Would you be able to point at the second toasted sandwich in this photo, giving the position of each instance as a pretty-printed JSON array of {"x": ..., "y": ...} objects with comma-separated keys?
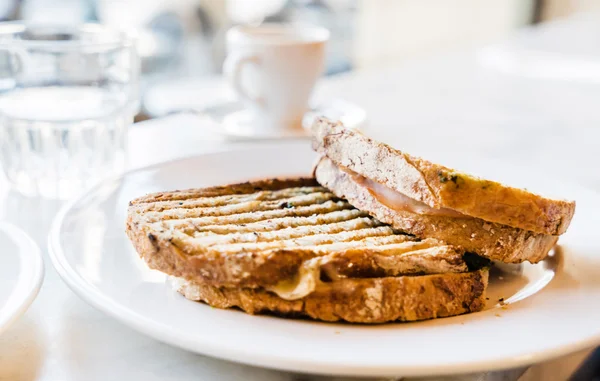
[{"x": 428, "y": 200}]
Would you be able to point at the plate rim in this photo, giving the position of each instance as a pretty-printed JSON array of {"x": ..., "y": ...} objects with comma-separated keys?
[
  {"x": 166, "y": 334},
  {"x": 29, "y": 279}
]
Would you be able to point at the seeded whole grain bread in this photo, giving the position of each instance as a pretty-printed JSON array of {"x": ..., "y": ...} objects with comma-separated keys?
[
  {"x": 262, "y": 233},
  {"x": 368, "y": 300},
  {"x": 491, "y": 240},
  {"x": 439, "y": 186}
]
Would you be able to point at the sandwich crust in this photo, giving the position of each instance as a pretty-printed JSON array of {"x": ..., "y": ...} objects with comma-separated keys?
[
  {"x": 369, "y": 300},
  {"x": 248, "y": 187},
  {"x": 491, "y": 240},
  {"x": 439, "y": 186}
]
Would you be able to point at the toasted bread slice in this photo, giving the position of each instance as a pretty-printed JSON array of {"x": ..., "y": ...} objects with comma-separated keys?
[
  {"x": 438, "y": 186},
  {"x": 275, "y": 234},
  {"x": 367, "y": 300},
  {"x": 491, "y": 240}
]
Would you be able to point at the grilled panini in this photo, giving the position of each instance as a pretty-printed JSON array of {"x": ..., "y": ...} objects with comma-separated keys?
[{"x": 293, "y": 247}]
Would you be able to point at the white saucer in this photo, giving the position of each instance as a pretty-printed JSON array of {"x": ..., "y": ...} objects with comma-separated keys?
[
  {"x": 233, "y": 121},
  {"x": 21, "y": 273},
  {"x": 552, "y": 308}
]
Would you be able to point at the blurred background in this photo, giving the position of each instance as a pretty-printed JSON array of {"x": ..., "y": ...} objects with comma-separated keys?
[
  {"x": 182, "y": 41},
  {"x": 552, "y": 81}
]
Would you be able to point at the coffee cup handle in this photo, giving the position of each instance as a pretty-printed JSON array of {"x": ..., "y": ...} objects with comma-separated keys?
[{"x": 232, "y": 68}]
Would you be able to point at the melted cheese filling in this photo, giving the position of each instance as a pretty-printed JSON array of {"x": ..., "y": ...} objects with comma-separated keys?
[
  {"x": 304, "y": 283},
  {"x": 398, "y": 201}
]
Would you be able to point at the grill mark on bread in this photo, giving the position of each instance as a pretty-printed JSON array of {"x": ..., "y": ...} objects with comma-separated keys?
[
  {"x": 251, "y": 235},
  {"x": 233, "y": 189},
  {"x": 315, "y": 226},
  {"x": 389, "y": 246},
  {"x": 250, "y": 212},
  {"x": 311, "y": 240},
  {"x": 232, "y": 199},
  {"x": 256, "y": 206},
  {"x": 189, "y": 226}
]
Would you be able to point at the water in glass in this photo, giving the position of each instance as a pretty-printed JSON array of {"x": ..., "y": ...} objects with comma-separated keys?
[
  {"x": 57, "y": 140},
  {"x": 67, "y": 96}
]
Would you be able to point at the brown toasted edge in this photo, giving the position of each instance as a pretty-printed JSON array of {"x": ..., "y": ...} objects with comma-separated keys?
[
  {"x": 491, "y": 240},
  {"x": 370, "y": 300},
  {"x": 224, "y": 190},
  {"x": 439, "y": 186}
]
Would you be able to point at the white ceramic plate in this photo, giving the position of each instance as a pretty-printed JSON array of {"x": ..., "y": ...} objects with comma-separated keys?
[
  {"x": 21, "y": 273},
  {"x": 553, "y": 307}
]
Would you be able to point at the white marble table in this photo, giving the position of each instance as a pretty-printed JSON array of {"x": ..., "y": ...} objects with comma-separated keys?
[{"x": 461, "y": 106}]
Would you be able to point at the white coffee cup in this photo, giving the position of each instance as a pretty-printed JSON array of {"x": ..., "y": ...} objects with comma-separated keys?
[{"x": 273, "y": 69}]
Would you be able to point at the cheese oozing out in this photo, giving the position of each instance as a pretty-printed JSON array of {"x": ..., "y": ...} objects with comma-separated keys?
[{"x": 303, "y": 284}]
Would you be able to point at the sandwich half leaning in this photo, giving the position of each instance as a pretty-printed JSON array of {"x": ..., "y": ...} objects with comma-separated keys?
[{"x": 428, "y": 200}]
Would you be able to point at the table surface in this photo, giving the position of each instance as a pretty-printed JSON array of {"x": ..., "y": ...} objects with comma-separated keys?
[{"x": 530, "y": 100}]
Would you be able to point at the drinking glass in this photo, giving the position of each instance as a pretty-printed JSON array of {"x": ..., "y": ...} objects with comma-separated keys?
[{"x": 67, "y": 96}]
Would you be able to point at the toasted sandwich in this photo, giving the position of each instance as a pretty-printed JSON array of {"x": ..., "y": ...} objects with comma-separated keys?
[
  {"x": 292, "y": 247},
  {"x": 428, "y": 200}
]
